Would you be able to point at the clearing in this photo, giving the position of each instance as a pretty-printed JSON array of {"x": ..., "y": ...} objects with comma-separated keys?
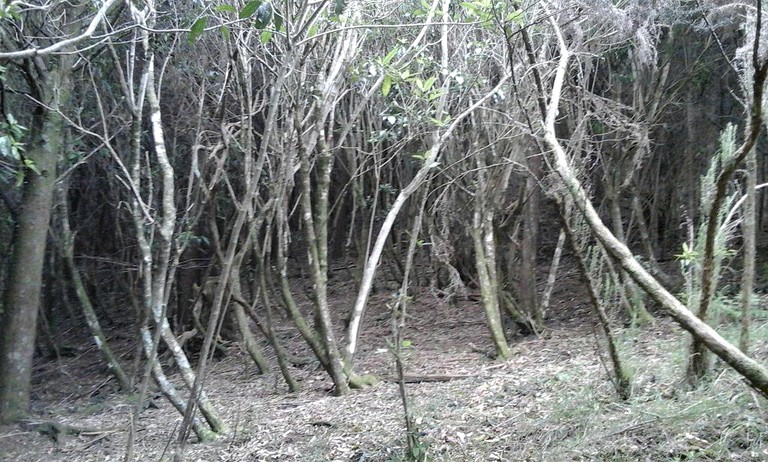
[{"x": 551, "y": 402}]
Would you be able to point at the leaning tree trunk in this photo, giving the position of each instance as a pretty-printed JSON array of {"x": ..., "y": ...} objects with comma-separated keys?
[
  {"x": 91, "y": 319},
  {"x": 430, "y": 162},
  {"x": 698, "y": 365},
  {"x": 755, "y": 373},
  {"x": 621, "y": 378},
  {"x": 546, "y": 295}
]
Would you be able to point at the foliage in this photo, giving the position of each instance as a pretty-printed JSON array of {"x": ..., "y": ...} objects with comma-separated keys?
[
  {"x": 11, "y": 145},
  {"x": 253, "y": 112},
  {"x": 691, "y": 255}
]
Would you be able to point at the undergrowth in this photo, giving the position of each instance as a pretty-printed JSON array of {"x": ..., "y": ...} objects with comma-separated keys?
[{"x": 663, "y": 421}]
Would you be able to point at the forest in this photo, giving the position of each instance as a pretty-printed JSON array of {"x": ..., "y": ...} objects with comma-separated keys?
[{"x": 393, "y": 230}]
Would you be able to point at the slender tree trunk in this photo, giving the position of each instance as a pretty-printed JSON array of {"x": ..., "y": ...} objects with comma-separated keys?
[
  {"x": 642, "y": 226},
  {"x": 430, "y": 162},
  {"x": 748, "y": 232},
  {"x": 529, "y": 249},
  {"x": 553, "y": 268},
  {"x": 637, "y": 311},
  {"x": 169, "y": 390},
  {"x": 621, "y": 378},
  {"x": 263, "y": 290},
  {"x": 698, "y": 364},
  {"x": 22, "y": 297},
  {"x": 316, "y": 229},
  {"x": 485, "y": 261},
  {"x": 68, "y": 254},
  {"x": 307, "y": 333},
  {"x": 249, "y": 340}
]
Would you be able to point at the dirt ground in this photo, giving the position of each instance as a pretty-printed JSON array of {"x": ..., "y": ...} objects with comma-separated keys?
[{"x": 552, "y": 401}]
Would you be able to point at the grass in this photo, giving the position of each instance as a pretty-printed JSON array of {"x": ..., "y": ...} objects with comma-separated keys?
[
  {"x": 663, "y": 421},
  {"x": 568, "y": 411},
  {"x": 551, "y": 402}
]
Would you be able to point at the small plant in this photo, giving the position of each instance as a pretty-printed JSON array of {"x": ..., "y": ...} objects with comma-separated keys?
[{"x": 416, "y": 448}]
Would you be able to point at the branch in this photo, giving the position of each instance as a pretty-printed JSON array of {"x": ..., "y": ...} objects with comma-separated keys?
[
  {"x": 708, "y": 282},
  {"x": 30, "y": 52},
  {"x": 369, "y": 271},
  {"x": 755, "y": 373}
]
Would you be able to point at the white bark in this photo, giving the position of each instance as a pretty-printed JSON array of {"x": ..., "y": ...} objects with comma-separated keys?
[{"x": 430, "y": 162}]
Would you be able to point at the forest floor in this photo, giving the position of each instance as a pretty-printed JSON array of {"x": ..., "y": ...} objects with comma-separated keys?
[{"x": 552, "y": 401}]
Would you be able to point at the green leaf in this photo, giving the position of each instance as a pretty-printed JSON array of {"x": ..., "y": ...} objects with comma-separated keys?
[
  {"x": 6, "y": 147},
  {"x": 516, "y": 16},
  {"x": 386, "y": 85},
  {"x": 226, "y": 9},
  {"x": 434, "y": 95},
  {"x": 339, "y": 6},
  {"x": 265, "y": 37},
  {"x": 249, "y": 9},
  {"x": 263, "y": 16},
  {"x": 406, "y": 343},
  {"x": 30, "y": 164},
  {"x": 225, "y": 32},
  {"x": 429, "y": 82},
  {"x": 387, "y": 59},
  {"x": 197, "y": 28},
  {"x": 437, "y": 122},
  {"x": 17, "y": 130},
  {"x": 278, "y": 20},
  {"x": 16, "y": 150}
]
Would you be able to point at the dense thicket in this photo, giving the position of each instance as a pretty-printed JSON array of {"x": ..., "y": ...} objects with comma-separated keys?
[{"x": 196, "y": 161}]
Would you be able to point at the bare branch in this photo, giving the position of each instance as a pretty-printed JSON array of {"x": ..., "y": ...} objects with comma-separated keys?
[{"x": 30, "y": 52}]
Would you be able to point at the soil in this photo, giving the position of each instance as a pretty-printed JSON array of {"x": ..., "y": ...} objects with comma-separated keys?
[{"x": 551, "y": 401}]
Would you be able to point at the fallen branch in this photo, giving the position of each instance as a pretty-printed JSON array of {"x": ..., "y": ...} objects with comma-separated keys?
[{"x": 430, "y": 378}]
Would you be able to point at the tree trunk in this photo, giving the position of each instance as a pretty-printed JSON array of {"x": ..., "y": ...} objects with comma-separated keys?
[
  {"x": 621, "y": 378},
  {"x": 262, "y": 288},
  {"x": 748, "y": 231},
  {"x": 316, "y": 229},
  {"x": 22, "y": 297},
  {"x": 68, "y": 254},
  {"x": 430, "y": 162},
  {"x": 637, "y": 311},
  {"x": 552, "y": 277},
  {"x": 755, "y": 373},
  {"x": 485, "y": 262},
  {"x": 528, "y": 293}
]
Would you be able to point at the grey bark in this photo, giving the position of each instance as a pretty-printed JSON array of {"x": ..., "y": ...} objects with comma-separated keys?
[{"x": 22, "y": 297}]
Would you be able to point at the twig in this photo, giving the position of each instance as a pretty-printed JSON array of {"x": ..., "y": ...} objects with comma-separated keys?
[{"x": 629, "y": 428}]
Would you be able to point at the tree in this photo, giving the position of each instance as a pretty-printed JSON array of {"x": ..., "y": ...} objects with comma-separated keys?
[
  {"x": 48, "y": 80},
  {"x": 704, "y": 335}
]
